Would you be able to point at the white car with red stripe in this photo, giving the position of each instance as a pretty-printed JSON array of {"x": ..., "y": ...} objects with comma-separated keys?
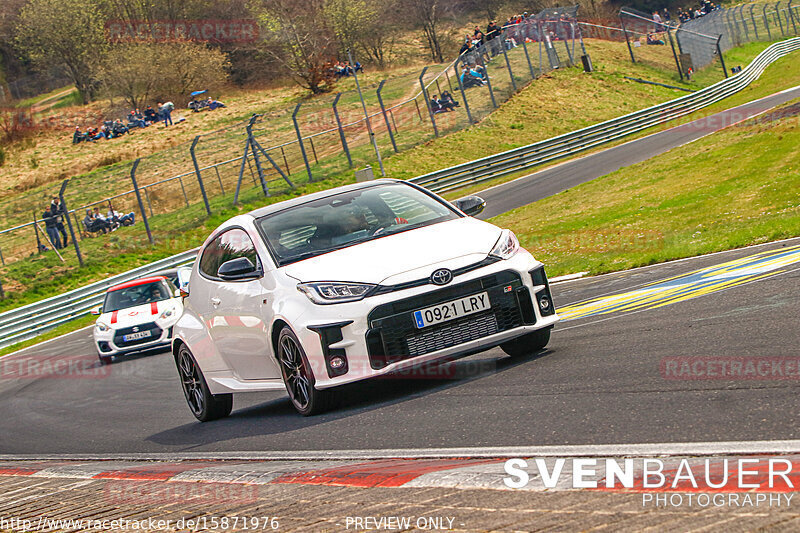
[{"x": 136, "y": 316}]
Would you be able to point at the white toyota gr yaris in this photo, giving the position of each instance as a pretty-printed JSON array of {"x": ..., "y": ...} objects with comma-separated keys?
[{"x": 348, "y": 284}]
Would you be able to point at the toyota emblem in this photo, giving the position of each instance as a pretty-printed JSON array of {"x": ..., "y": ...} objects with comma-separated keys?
[{"x": 442, "y": 276}]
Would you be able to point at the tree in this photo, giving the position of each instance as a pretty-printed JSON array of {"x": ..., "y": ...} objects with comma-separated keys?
[
  {"x": 299, "y": 40},
  {"x": 364, "y": 25},
  {"x": 64, "y": 32},
  {"x": 428, "y": 15},
  {"x": 141, "y": 73}
]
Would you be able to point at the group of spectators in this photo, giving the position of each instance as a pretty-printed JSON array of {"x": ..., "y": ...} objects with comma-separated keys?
[
  {"x": 209, "y": 103},
  {"x": 94, "y": 222},
  {"x": 112, "y": 129},
  {"x": 443, "y": 104},
  {"x": 473, "y": 75},
  {"x": 344, "y": 69},
  {"x": 704, "y": 8}
]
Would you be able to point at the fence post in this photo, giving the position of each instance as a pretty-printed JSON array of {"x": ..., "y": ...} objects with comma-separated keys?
[
  {"x": 527, "y": 57},
  {"x": 753, "y": 19},
  {"x": 721, "y": 59},
  {"x": 744, "y": 23},
  {"x": 385, "y": 118},
  {"x": 766, "y": 23},
  {"x": 36, "y": 231},
  {"x": 427, "y": 101},
  {"x": 259, "y": 170},
  {"x": 508, "y": 63},
  {"x": 341, "y": 131},
  {"x": 627, "y": 40},
  {"x": 69, "y": 220},
  {"x": 138, "y": 199},
  {"x": 539, "y": 40},
  {"x": 199, "y": 177},
  {"x": 300, "y": 142},
  {"x": 791, "y": 14},
  {"x": 463, "y": 94},
  {"x": 244, "y": 163},
  {"x": 674, "y": 55},
  {"x": 778, "y": 16},
  {"x": 183, "y": 190}
]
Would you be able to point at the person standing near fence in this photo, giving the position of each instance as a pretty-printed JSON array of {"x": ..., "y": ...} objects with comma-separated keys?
[
  {"x": 49, "y": 218},
  {"x": 57, "y": 208}
]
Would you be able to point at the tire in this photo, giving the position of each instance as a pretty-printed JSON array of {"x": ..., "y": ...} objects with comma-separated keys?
[
  {"x": 203, "y": 405},
  {"x": 528, "y": 344},
  {"x": 299, "y": 378},
  {"x": 105, "y": 359}
]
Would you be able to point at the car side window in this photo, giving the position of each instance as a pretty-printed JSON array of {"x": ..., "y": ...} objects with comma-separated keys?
[{"x": 231, "y": 244}]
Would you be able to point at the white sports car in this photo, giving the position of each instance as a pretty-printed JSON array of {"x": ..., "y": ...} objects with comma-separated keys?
[
  {"x": 136, "y": 316},
  {"x": 348, "y": 284}
]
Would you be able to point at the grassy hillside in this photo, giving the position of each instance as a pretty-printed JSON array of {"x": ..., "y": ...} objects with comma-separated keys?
[{"x": 730, "y": 189}]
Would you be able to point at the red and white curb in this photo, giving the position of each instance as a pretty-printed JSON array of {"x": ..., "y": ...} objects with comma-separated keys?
[{"x": 732, "y": 473}]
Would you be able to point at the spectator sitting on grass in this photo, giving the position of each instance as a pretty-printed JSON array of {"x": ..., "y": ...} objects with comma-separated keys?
[
  {"x": 470, "y": 78},
  {"x": 447, "y": 102},
  {"x": 651, "y": 39},
  {"x": 79, "y": 137},
  {"x": 150, "y": 115},
  {"x": 118, "y": 218},
  {"x": 95, "y": 225},
  {"x": 213, "y": 104}
]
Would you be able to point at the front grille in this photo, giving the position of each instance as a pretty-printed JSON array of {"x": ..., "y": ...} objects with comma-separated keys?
[
  {"x": 393, "y": 335},
  {"x": 155, "y": 334},
  {"x": 452, "y": 335}
]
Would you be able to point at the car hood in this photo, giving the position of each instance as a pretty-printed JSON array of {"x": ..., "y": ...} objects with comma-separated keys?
[
  {"x": 403, "y": 256},
  {"x": 140, "y": 314}
]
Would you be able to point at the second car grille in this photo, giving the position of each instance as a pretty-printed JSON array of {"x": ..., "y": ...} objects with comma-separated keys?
[
  {"x": 394, "y": 337},
  {"x": 155, "y": 334}
]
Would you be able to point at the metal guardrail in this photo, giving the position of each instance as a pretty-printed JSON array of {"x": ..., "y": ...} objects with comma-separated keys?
[
  {"x": 535, "y": 154},
  {"x": 30, "y": 320}
]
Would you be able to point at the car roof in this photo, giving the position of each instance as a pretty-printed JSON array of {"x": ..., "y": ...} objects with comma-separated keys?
[
  {"x": 134, "y": 283},
  {"x": 280, "y": 206}
]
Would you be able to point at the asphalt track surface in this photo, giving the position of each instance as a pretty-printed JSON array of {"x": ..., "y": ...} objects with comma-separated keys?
[
  {"x": 600, "y": 381},
  {"x": 529, "y": 189}
]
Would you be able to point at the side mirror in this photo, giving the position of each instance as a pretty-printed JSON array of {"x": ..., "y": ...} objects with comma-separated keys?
[
  {"x": 97, "y": 311},
  {"x": 238, "y": 269},
  {"x": 470, "y": 205}
]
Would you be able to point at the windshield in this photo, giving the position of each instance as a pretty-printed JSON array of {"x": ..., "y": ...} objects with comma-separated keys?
[
  {"x": 349, "y": 218},
  {"x": 136, "y": 295}
]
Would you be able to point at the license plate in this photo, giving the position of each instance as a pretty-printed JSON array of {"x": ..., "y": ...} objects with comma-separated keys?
[
  {"x": 451, "y": 310},
  {"x": 136, "y": 336}
]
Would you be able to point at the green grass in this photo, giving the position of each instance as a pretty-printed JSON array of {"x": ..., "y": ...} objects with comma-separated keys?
[
  {"x": 730, "y": 189},
  {"x": 63, "y": 329}
]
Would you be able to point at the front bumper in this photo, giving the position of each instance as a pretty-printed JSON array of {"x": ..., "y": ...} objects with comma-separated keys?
[
  {"x": 111, "y": 342},
  {"x": 377, "y": 335}
]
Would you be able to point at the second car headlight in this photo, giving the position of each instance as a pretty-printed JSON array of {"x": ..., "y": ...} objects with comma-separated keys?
[
  {"x": 101, "y": 327},
  {"x": 506, "y": 246},
  {"x": 329, "y": 292}
]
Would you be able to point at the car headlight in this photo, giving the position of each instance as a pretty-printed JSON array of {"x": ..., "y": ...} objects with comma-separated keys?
[
  {"x": 101, "y": 327},
  {"x": 506, "y": 246},
  {"x": 328, "y": 292},
  {"x": 166, "y": 314}
]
